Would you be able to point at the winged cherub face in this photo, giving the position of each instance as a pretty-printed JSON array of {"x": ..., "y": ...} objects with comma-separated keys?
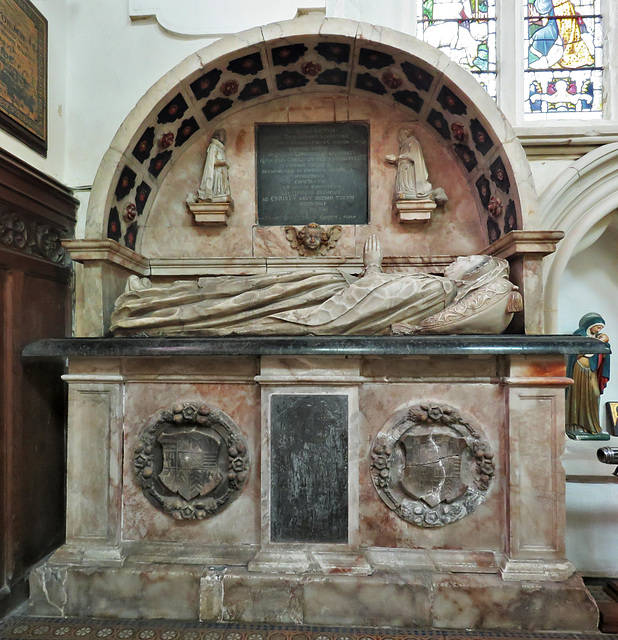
[{"x": 313, "y": 236}]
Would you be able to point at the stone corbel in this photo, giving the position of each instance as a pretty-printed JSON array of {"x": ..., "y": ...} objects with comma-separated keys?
[
  {"x": 207, "y": 213},
  {"x": 108, "y": 251},
  {"x": 410, "y": 211}
]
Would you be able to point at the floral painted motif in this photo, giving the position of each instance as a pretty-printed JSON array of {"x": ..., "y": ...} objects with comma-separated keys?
[
  {"x": 205, "y": 85},
  {"x": 334, "y": 51},
  {"x": 173, "y": 111},
  {"x": 369, "y": 83},
  {"x": 288, "y": 54},
  {"x": 371, "y": 59},
  {"x": 410, "y": 99}
]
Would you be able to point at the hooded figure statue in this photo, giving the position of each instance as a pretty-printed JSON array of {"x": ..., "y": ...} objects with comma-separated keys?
[{"x": 590, "y": 373}]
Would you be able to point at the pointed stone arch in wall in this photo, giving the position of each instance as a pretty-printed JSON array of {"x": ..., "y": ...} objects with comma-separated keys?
[
  {"x": 311, "y": 55},
  {"x": 583, "y": 195}
]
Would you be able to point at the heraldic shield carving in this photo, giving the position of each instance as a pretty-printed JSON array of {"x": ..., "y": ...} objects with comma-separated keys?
[
  {"x": 191, "y": 461},
  {"x": 430, "y": 466}
]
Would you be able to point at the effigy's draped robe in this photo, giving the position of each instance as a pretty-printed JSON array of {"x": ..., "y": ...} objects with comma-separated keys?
[{"x": 301, "y": 302}]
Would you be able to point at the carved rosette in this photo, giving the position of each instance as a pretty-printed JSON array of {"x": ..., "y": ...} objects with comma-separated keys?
[
  {"x": 28, "y": 236},
  {"x": 191, "y": 461},
  {"x": 430, "y": 466}
]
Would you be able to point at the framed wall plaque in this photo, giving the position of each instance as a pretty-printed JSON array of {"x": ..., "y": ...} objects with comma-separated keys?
[
  {"x": 314, "y": 172},
  {"x": 23, "y": 73}
]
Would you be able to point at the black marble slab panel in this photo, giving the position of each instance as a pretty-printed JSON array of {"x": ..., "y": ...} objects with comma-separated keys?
[
  {"x": 475, "y": 345},
  {"x": 315, "y": 172},
  {"x": 309, "y": 468}
]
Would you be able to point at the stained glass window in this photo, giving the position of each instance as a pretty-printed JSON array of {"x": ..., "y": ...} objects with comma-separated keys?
[
  {"x": 466, "y": 31},
  {"x": 563, "y": 67}
]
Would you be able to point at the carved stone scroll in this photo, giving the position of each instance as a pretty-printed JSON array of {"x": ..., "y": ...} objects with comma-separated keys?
[
  {"x": 430, "y": 466},
  {"x": 192, "y": 461}
]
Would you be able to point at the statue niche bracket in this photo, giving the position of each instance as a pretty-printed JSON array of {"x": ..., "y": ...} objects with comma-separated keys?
[{"x": 213, "y": 201}]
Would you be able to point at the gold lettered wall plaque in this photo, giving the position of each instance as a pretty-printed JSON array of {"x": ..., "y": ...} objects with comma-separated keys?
[{"x": 23, "y": 73}]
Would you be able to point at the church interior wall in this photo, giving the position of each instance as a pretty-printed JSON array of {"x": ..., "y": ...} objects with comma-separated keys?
[{"x": 101, "y": 63}]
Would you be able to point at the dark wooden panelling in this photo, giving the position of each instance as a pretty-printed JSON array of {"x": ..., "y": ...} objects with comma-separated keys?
[{"x": 34, "y": 303}]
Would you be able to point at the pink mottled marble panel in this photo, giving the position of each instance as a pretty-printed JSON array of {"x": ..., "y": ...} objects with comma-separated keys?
[
  {"x": 483, "y": 406},
  {"x": 239, "y": 523},
  {"x": 455, "y": 229}
]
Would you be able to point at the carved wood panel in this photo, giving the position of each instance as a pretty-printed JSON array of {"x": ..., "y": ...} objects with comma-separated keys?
[{"x": 34, "y": 303}]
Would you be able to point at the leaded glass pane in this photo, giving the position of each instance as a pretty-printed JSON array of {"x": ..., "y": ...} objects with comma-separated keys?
[
  {"x": 564, "y": 63},
  {"x": 466, "y": 31}
]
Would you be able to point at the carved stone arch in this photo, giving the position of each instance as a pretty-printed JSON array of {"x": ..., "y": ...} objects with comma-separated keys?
[
  {"x": 585, "y": 193},
  {"x": 358, "y": 57}
]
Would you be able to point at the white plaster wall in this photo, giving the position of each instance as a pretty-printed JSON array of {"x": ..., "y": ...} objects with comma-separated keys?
[
  {"x": 54, "y": 164},
  {"x": 592, "y": 527},
  {"x": 546, "y": 171},
  {"x": 112, "y": 62},
  {"x": 590, "y": 284}
]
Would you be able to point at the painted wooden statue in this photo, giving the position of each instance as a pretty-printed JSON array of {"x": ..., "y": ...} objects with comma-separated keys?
[{"x": 590, "y": 373}]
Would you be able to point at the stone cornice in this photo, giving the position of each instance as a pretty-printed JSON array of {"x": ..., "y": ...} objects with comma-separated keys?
[
  {"x": 107, "y": 251},
  {"x": 525, "y": 242}
]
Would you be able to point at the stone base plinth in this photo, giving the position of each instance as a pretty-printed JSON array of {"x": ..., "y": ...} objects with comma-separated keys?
[
  {"x": 395, "y": 598},
  {"x": 409, "y": 211},
  {"x": 210, "y": 212}
]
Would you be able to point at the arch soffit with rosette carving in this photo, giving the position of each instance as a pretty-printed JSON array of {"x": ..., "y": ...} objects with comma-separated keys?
[{"x": 310, "y": 56}]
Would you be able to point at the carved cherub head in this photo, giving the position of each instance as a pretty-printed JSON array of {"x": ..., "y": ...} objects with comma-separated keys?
[
  {"x": 312, "y": 236},
  {"x": 312, "y": 239}
]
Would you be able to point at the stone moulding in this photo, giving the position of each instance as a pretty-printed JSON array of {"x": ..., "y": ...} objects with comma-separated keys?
[
  {"x": 430, "y": 466},
  {"x": 410, "y": 211},
  {"x": 191, "y": 461},
  {"x": 457, "y": 345},
  {"x": 207, "y": 213}
]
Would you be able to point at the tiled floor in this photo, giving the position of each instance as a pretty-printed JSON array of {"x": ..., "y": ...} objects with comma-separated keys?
[{"x": 22, "y": 627}]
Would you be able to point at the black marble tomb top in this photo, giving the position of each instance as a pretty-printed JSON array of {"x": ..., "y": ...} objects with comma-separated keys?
[{"x": 451, "y": 345}]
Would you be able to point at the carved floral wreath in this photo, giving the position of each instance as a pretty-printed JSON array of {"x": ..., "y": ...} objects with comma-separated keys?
[
  {"x": 389, "y": 466},
  {"x": 147, "y": 461}
]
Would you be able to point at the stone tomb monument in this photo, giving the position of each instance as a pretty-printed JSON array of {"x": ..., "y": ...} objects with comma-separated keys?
[{"x": 340, "y": 434}]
